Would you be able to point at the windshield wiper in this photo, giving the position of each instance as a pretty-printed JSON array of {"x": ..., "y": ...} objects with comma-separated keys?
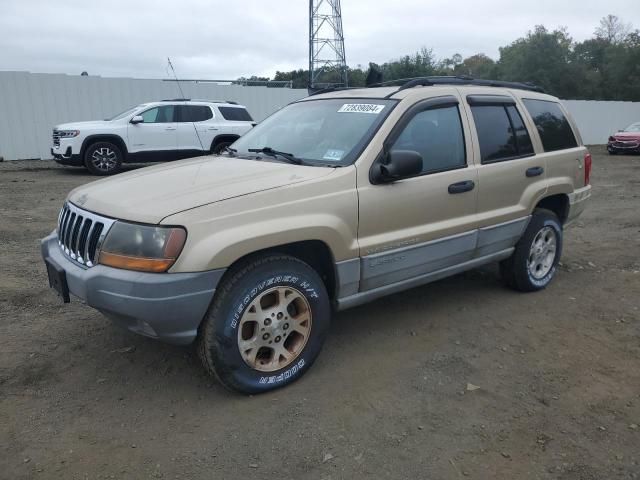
[{"x": 289, "y": 157}]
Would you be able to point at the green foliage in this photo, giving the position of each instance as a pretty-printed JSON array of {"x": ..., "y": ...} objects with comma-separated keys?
[{"x": 605, "y": 67}]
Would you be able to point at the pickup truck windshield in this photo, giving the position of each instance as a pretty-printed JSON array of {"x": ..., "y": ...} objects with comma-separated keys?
[{"x": 323, "y": 132}]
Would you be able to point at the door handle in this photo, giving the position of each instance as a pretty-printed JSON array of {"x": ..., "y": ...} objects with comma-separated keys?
[
  {"x": 213, "y": 128},
  {"x": 534, "y": 171},
  {"x": 461, "y": 187},
  {"x": 170, "y": 128}
]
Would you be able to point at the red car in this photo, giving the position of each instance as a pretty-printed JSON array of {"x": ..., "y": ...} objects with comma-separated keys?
[{"x": 627, "y": 140}]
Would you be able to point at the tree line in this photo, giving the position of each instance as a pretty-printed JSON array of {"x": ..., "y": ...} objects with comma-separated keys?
[{"x": 604, "y": 67}]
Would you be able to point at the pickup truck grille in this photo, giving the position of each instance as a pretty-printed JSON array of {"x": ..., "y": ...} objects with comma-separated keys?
[
  {"x": 56, "y": 138},
  {"x": 81, "y": 233}
]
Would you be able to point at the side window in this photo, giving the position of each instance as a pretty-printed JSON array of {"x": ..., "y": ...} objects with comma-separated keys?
[
  {"x": 159, "y": 114},
  {"x": 553, "y": 126},
  {"x": 501, "y": 133},
  {"x": 235, "y": 114},
  {"x": 194, "y": 113},
  {"x": 437, "y": 135}
]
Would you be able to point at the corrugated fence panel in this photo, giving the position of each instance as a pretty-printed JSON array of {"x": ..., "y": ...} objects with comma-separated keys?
[
  {"x": 31, "y": 104},
  {"x": 598, "y": 120}
]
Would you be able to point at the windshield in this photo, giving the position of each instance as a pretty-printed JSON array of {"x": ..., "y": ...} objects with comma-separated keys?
[
  {"x": 326, "y": 132},
  {"x": 124, "y": 114},
  {"x": 634, "y": 127}
]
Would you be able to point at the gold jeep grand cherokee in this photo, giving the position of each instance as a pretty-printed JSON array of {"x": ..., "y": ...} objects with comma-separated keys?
[{"x": 335, "y": 200}]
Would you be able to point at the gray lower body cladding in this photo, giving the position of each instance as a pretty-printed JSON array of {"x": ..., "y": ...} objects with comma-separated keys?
[
  {"x": 391, "y": 271},
  {"x": 165, "y": 306}
]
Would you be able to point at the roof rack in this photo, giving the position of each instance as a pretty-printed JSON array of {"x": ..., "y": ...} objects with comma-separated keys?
[
  {"x": 176, "y": 100},
  {"x": 462, "y": 80}
]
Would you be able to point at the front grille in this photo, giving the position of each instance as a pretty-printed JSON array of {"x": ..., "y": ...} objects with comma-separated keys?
[
  {"x": 80, "y": 234},
  {"x": 626, "y": 144},
  {"x": 56, "y": 138}
]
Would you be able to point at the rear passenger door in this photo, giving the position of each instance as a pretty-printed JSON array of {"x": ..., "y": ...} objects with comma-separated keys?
[
  {"x": 194, "y": 129},
  {"x": 511, "y": 176},
  {"x": 426, "y": 223}
]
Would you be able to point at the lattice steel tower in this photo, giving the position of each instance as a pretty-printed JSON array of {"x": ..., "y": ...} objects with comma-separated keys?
[{"x": 327, "y": 64}]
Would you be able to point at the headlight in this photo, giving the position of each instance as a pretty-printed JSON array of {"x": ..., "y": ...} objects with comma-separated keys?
[
  {"x": 68, "y": 133},
  {"x": 143, "y": 248}
]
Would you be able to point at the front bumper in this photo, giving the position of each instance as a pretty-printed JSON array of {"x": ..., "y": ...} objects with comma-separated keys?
[
  {"x": 577, "y": 203},
  {"x": 165, "y": 306},
  {"x": 66, "y": 157},
  {"x": 622, "y": 147}
]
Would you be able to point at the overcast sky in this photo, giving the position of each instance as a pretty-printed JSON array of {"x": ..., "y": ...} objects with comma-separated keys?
[{"x": 217, "y": 39}]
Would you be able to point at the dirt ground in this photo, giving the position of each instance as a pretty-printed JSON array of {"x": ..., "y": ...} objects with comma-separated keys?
[{"x": 558, "y": 371}]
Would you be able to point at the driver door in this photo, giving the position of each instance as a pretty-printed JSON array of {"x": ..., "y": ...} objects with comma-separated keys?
[
  {"x": 419, "y": 225},
  {"x": 156, "y": 133}
]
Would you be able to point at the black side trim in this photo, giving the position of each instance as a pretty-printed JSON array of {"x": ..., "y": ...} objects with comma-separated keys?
[{"x": 496, "y": 100}]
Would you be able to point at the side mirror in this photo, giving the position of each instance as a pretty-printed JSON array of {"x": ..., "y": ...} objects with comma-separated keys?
[
  {"x": 399, "y": 164},
  {"x": 137, "y": 119}
]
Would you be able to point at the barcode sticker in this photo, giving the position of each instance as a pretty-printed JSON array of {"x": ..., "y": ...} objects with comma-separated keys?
[{"x": 361, "y": 108}]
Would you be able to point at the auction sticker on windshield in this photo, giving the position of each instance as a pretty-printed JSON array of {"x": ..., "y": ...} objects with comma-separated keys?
[{"x": 360, "y": 108}]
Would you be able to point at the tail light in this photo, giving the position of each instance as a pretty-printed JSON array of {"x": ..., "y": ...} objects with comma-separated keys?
[{"x": 587, "y": 168}]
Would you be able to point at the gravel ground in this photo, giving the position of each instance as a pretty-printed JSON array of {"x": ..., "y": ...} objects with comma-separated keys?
[{"x": 391, "y": 396}]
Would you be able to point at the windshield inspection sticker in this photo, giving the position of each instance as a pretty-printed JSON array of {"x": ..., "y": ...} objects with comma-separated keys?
[
  {"x": 334, "y": 155},
  {"x": 360, "y": 108}
]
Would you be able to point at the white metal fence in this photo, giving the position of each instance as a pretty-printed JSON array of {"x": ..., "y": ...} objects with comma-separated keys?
[{"x": 32, "y": 103}]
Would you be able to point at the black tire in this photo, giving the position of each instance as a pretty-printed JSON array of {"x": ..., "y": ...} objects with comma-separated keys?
[
  {"x": 516, "y": 270},
  {"x": 103, "y": 158},
  {"x": 612, "y": 152},
  {"x": 219, "y": 147},
  {"x": 218, "y": 338}
]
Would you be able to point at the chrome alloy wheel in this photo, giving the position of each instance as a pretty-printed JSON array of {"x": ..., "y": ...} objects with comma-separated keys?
[
  {"x": 104, "y": 159},
  {"x": 542, "y": 253},
  {"x": 274, "y": 329}
]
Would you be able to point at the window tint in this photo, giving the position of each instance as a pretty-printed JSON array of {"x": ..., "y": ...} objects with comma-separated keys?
[
  {"x": 553, "y": 126},
  {"x": 523, "y": 140},
  {"x": 501, "y": 133},
  {"x": 437, "y": 135},
  {"x": 159, "y": 115},
  {"x": 194, "y": 113},
  {"x": 235, "y": 114}
]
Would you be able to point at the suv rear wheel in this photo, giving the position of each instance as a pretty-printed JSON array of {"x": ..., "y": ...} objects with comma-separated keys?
[
  {"x": 535, "y": 260},
  {"x": 103, "y": 158},
  {"x": 266, "y": 325}
]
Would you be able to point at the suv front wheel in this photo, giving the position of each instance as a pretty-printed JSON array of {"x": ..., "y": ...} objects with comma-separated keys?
[
  {"x": 267, "y": 324},
  {"x": 535, "y": 260},
  {"x": 103, "y": 158}
]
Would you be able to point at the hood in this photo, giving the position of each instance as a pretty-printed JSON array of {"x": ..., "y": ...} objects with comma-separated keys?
[
  {"x": 83, "y": 125},
  {"x": 627, "y": 136},
  {"x": 150, "y": 194}
]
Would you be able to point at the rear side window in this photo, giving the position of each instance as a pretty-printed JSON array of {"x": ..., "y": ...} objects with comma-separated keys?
[
  {"x": 194, "y": 113},
  {"x": 437, "y": 135},
  {"x": 553, "y": 126},
  {"x": 235, "y": 114},
  {"x": 501, "y": 132}
]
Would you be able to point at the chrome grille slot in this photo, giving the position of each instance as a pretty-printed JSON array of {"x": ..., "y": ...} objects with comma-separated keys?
[{"x": 80, "y": 234}]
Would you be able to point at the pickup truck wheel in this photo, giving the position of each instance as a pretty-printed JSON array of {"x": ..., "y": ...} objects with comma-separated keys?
[
  {"x": 103, "y": 158},
  {"x": 266, "y": 325},
  {"x": 535, "y": 260}
]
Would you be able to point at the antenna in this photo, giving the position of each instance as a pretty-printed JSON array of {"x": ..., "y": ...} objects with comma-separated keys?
[
  {"x": 327, "y": 62},
  {"x": 195, "y": 129}
]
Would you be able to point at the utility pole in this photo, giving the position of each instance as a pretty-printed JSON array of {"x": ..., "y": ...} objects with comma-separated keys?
[{"x": 327, "y": 63}]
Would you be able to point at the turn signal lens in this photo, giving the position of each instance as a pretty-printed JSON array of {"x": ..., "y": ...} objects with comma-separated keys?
[{"x": 144, "y": 248}]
